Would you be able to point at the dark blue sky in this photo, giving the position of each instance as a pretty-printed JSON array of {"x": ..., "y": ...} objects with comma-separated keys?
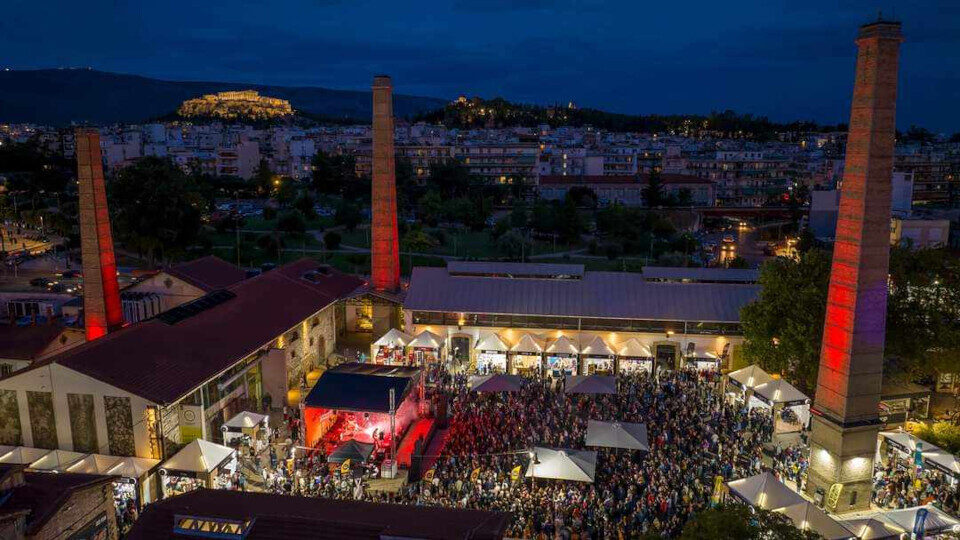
[{"x": 791, "y": 59}]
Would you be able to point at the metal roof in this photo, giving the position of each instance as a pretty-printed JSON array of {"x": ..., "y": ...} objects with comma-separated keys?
[
  {"x": 708, "y": 275},
  {"x": 615, "y": 295},
  {"x": 515, "y": 269}
]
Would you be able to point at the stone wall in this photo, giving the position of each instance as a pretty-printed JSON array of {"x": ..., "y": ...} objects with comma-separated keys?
[
  {"x": 89, "y": 513},
  {"x": 119, "y": 426},
  {"x": 83, "y": 423},
  {"x": 43, "y": 424},
  {"x": 11, "y": 433}
]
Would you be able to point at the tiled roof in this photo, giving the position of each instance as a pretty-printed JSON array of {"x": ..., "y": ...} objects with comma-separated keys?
[
  {"x": 617, "y": 295},
  {"x": 208, "y": 273},
  {"x": 27, "y": 342},
  {"x": 43, "y": 494},
  {"x": 162, "y": 362}
]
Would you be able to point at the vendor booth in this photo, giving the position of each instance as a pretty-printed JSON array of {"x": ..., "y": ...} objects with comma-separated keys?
[
  {"x": 200, "y": 464},
  {"x": 526, "y": 356},
  {"x": 491, "y": 354},
  {"x": 426, "y": 348},
  {"x": 634, "y": 356},
  {"x": 598, "y": 357},
  {"x": 562, "y": 464},
  {"x": 901, "y": 449},
  {"x": 872, "y": 529},
  {"x": 391, "y": 348},
  {"x": 22, "y": 455},
  {"x": 56, "y": 460},
  {"x": 763, "y": 491},
  {"x": 561, "y": 357},
  {"x": 790, "y": 407},
  {"x": 354, "y": 404},
  {"x": 806, "y": 516},
  {"x": 703, "y": 360},
  {"x": 744, "y": 380},
  {"x": 935, "y": 521},
  {"x": 248, "y": 428}
]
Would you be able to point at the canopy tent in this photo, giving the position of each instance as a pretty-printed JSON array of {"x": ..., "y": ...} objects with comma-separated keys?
[
  {"x": 617, "y": 435},
  {"x": 56, "y": 460},
  {"x": 245, "y": 420},
  {"x": 764, "y": 491},
  {"x": 635, "y": 349},
  {"x": 352, "y": 450},
  {"x": 598, "y": 347},
  {"x": 936, "y": 522},
  {"x": 492, "y": 342},
  {"x": 562, "y": 345},
  {"x": 695, "y": 351},
  {"x": 495, "y": 383},
  {"x": 528, "y": 344},
  {"x": 905, "y": 442},
  {"x": 426, "y": 340},
  {"x": 393, "y": 338},
  {"x": 933, "y": 456},
  {"x": 563, "y": 464},
  {"x": 199, "y": 456},
  {"x": 807, "y": 517},
  {"x": 749, "y": 377},
  {"x": 93, "y": 464},
  {"x": 591, "y": 384},
  {"x": 943, "y": 461},
  {"x": 133, "y": 467},
  {"x": 778, "y": 392},
  {"x": 23, "y": 455},
  {"x": 872, "y": 529}
]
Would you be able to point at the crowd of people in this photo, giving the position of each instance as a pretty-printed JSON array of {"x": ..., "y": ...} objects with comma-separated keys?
[{"x": 898, "y": 484}]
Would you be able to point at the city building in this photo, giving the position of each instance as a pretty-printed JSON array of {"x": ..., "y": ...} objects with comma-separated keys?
[{"x": 630, "y": 190}]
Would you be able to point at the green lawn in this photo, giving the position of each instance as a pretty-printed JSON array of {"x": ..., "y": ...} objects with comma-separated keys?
[
  {"x": 257, "y": 223},
  {"x": 351, "y": 263}
]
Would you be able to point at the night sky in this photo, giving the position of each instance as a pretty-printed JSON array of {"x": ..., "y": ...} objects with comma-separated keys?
[{"x": 788, "y": 60}]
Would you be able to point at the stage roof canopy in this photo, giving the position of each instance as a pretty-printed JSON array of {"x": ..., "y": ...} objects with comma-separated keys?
[{"x": 358, "y": 391}]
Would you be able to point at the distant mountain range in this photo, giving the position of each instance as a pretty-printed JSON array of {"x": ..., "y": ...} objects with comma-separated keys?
[{"x": 61, "y": 96}]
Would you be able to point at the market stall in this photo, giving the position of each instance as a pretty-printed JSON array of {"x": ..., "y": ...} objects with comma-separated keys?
[
  {"x": 806, "y": 516},
  {"x": 790, "y": 407},
  {"x": 249, "y": 428},
  {"x": 740, "y": 383},
  {"x": 703, "y": 360},
  {"x": 56, "y": 460},
  {"x": 22, "y": 455},
  {"x": 491, "y": 354},
  {"x": 426, "y": 348},
  {"x": 561, "y": 357},
  {"x": 590, "y": 384},
  {"x": 763, "y": 491},
  {"x": 390, "y": 349},
  {"x": 200, "y": 464},
  {"x": 526, "y": 356},
  {"x": 598, "y": 357},
  {"x": 625, "y": 435},
  {"x": 906, "y": 451},
  {"x": 634, "y": 356}
]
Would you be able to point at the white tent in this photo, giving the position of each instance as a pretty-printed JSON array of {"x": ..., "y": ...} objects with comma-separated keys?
[
  {"x": 492, "y": 342},
  {"x": 495, "y": 383},
  {"x": 528, "y": 344},
  {"x": 906, "y": 442},
  {"x": 92, "y": 464},
  {"x": 199, "y": 456},
  {"x": 617, "y": 435},
  {"x": 245, "y": 420},
  {"x": 563, "y": 464},
  {"x": 807, "y": 517},
  {"x": 426, "y": 340},
  {"x": 562, "y": 345},
  {"x": 598, "y": 347},
  {"x": 749, "y": 377},
  {"x": 943, "y": 461},
  {"x": 635, "y": 349},
  {"x": 393, "y": 338},
  {"x": 56, "y": 460},
  {"x": 779, "y": 391},
  {"x": 590, "y": 384},
  {"x": 764, "y": 491},
  {"x": 133, "y": 467},
  {"x": 23, "y": 455},
  {"x": 936, "y": 522},
  {"x": 872, "y": 529}
]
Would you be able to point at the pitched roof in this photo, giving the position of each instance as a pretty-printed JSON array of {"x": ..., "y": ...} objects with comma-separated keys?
[
  {"x": 162, "y": 362},
  {"x": 286, "y": 517},
  {"x": 357, "y": 391},
  {"x": 208, "y": 273},
  {"x": 618, "y": 295},
  {"x": 43, "y": 494},
  {"x": 27, "y": 342}
]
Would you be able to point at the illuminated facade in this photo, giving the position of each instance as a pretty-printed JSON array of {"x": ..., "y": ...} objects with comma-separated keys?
[
  {"x": 236, "y": 104},
  {"x": 845, "y": 422},
  {"x": 385, "y": 256},
  {"x": 101, "y": 295}
]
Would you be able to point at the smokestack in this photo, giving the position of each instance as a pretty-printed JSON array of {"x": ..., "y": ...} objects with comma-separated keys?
[
  {"x": 101, "y": 292},
  {"x": 385, "y": 248}
]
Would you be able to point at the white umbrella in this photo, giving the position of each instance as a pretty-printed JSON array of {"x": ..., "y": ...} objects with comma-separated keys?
[
  {"x": 807, "y": 517},
  {"x": 590, "y": 384},
  {"x": 617, "y": 435},
  {"x": 764, "y": 491},
  {"x": 199, "y": 456},
  {"x": 563, "y": 464}
]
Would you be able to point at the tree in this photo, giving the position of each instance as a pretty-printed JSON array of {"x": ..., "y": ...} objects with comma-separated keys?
[
  {"x": 333, "y": 173},
  {"x": 512, "y": 245},
  {"x": 684, "y": 197},
  {"x": 741, "y": 522},
  {"x": 304, "y": 203},
  {"x": 156, "y": 208},
  {"x": 263, "y": 178},
  {"x": 738, "y": 262},
  {"x": 653, "y": 191},
  {"x": 348, "y": 214},
  {"x": 291, "y": 221},
  {"x": 518, "y": 215},
  {"x": 332, "y": 240},
  {"x": 430, "y": 207},
  {"x": 783, "y": 328},
  {"x": 582, "y": 196}
]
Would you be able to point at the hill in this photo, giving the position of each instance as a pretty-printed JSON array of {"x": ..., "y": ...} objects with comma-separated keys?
[{"x": 60, "y": 96}]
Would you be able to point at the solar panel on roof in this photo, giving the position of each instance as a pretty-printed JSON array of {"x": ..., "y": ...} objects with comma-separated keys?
[{"x": 185, "y": 311}]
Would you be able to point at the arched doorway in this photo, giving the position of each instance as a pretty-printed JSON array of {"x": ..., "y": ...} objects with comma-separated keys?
[{"x": 666, "y": 354}]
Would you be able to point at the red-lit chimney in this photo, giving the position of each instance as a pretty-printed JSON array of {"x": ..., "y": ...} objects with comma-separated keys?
[
  {"x": 385, "y": 248},
  {"x": 101, "y": 292}
]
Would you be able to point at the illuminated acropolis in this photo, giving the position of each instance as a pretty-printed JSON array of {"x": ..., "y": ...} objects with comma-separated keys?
[{"x": 236, "y": 104}]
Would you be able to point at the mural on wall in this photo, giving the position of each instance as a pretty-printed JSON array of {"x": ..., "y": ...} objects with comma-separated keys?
[
  {"x": 83, "y": 423},
  {"x": 11, "y": 434},
  {"x": 43, "y": 423},
  {"x": 119, "y": 426}
]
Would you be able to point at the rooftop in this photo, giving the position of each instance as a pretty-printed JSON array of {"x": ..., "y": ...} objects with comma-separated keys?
[
  {"x": 27, "y": 342},
  {"x": 666, "y": 179},
  {"x": 42, "y": 494},
  {"x": 285, "y": 517},
  {"x": 701, "y": 275},
  {"x": 207, "y": 273},
  {"x": 361, "y": 387}
]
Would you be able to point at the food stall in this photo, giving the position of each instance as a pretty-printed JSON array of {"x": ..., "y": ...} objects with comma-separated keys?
[
  {"x": 700, "y": 358},
  {"x": 491, "y": 354},
  {"x": 526, "y": 356},
  {"x": 634, "y": 356},
  {"x": 247, "y": 427},
  {"x": 426, "y": 348},
  {"x": 740, "y": 383},
  {"x": 598, "y": 357},
  {"x": 200, "y": 464},
  {"x": 790, "y": 407},
  {"x": 561, "y": 357},
  {"x": 391, "y": 348}
]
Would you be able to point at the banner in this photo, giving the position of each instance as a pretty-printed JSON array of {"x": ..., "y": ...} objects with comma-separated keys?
[
  {"x": 428, "y": 477},
  {"x": 515, "y": 474},
  {"x": 719, "y": 489},
  {"x": 475, "y": 474},
  {"x": 345, "y": 467},
  {"x": 919, "y": 524}
]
